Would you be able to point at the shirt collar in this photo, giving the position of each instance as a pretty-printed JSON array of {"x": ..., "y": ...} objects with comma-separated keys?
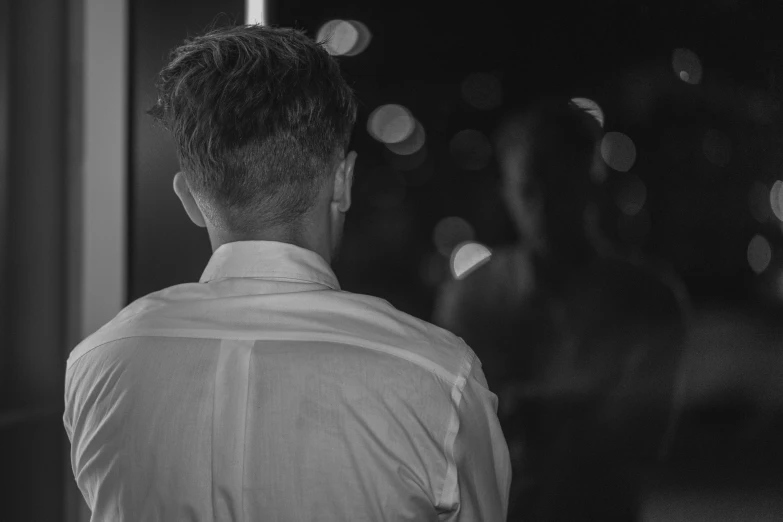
[{"x": 269, "y": 260}]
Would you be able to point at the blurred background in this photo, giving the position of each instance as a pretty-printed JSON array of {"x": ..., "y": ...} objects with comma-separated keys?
[{"x": 688, "y": 95}]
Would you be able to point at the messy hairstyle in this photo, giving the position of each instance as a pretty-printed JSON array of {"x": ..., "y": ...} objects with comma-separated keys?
[{"x": 259, "y": 116}]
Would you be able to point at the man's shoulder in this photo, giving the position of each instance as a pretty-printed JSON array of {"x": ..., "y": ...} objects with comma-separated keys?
[
  {"x": 415, "y": 334},
  {"x": 382, "y": 306},
  {"x": 329, "y": 316},
  {"x": 120, "y": 326}
]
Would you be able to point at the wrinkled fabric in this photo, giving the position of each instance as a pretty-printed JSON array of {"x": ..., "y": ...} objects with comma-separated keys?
[{"x": 264, "y": 392}]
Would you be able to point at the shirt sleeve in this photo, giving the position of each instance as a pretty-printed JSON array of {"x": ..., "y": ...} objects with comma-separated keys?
[
  {"x": 67, "y": 408},
  {"x": 481, "y": 458}
]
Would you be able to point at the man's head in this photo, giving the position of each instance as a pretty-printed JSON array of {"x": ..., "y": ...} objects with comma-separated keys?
[
  {"x": 261, "y": 117},
  {"x": 547, "y": 154}
]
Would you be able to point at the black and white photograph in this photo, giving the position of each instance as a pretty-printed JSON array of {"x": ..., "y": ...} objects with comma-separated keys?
[{"x": 298, "y": 260}]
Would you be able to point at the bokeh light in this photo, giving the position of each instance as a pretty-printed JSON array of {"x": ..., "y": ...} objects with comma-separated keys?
[
  {"x": 470, "y": 149},
  {"x": 631, "y": 196},
  {"x": 467, "y": 257},
  {"x": 363, "y": 40},
  {"x": 344, "y": 37},
  {"x": 409, "y": 163},
  {"x": 450, "y": 232},
  {"x": 759, "y": 253},
  {"x": 776, "y": 199},
  {"x": 391, "y": 123},
  {"x": 590, "y": 107},
  {"x": 618, "y": 151},
  {"x": 759, "y": 201},
  {"x": 687, "y": 66},
  {"x": 482, "y": 91},
  {"x": 716, "y": 147},
  {"x": 339, "y": 36},
  {"x": 412, "y": 144}
]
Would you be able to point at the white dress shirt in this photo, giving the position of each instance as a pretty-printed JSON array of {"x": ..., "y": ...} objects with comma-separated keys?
[{"x": 265, "y": 393}]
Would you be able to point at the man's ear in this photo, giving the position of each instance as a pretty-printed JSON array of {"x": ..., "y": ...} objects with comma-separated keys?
[
  {"x": 343, "y": 182},
  {"x": 182, "y": 190}
]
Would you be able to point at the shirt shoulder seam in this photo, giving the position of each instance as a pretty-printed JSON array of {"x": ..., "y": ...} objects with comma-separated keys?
[
  {"x": 450, "y": 490},
  {"x": 420, "y": 361}
]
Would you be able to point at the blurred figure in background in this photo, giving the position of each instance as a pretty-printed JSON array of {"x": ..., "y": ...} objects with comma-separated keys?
[{"x": 579, "y": 342}]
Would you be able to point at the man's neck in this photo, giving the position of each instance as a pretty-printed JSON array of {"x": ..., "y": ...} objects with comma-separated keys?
[{"x": 278, "y": 235}]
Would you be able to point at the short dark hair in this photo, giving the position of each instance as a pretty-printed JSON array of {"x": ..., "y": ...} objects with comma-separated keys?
[{"x": 258, "y": 115}]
